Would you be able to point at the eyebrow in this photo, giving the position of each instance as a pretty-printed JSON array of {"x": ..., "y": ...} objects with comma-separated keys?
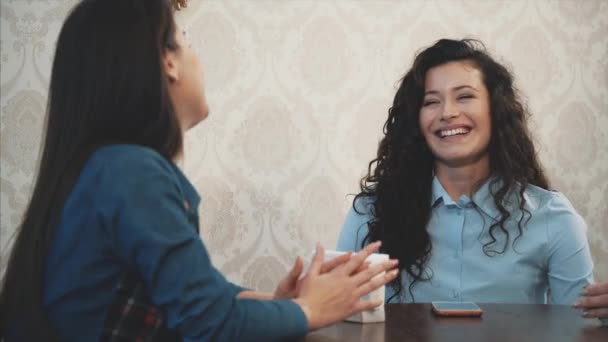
[{"x": 434, "y": 92}]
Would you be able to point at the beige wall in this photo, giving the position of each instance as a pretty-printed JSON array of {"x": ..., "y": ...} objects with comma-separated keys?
[{"x": 299, "y": 91}]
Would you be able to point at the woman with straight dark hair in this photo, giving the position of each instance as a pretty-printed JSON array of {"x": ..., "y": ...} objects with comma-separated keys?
[
  {"x": 109, "y": 247},
  {"x": 457, "y": 193}
]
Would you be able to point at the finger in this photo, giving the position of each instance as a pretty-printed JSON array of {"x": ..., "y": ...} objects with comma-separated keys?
[
  {"x": 363, "y": 305},
  {"x": 596, "y": 289},
  {"x": 375, "y": 283},
  {"x": 592, "y": 301},
  {"x": 317, "y": 260},
  {"x": 365, "y": 276},
  {"x": 335, "y": 262},
  {"x": 365, "y": 265},
  {"x": 595, "y": 313},
  {"x": 373, "y": 247},
  {"x": 298, "y": 266},
  {"x": 358, "y": 258}
]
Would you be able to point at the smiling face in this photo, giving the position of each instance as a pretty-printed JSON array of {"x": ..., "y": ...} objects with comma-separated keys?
[{"x": 455, "y": 114}]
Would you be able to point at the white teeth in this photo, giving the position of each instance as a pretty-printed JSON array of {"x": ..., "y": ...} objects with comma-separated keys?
[{"x": 451, "y": 132}]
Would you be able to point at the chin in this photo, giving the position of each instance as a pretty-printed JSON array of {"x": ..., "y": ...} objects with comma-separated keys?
[
  {"x": 460, "y": 160},
  {"x": 454, "y": 162},
  {"x": 203, "y": 113},
  {"x": 203, "y": 116},
  {"x": 197, "y": 120}
]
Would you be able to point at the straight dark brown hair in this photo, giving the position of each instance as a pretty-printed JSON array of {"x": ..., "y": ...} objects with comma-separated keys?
[{"x": 107, "y": 86}]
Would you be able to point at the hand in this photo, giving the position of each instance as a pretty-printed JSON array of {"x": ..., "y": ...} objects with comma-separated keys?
[
  {"x": 327, "y": 298},
  {"x": 594, "y": 301},
  {"x": 289, "y": 287}
]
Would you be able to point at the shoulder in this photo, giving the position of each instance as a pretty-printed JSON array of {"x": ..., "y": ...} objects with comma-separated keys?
[
  {"x": 364, "y": 205},
  {"x": 548, "y": 203},
  {"x": 354, "y": 230},
  {"x": 361, "y": 211},
  {"x": 555, "y": 212},
  {"x": 130, "y": 161},
  {"x": 127, "y": 157},
  {"x": 120, "y": 168}
]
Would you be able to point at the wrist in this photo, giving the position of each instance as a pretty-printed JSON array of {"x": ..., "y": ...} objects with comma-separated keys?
[
  {"x": 254, "y": 295},
  {"x": 307, "y": 312},
  {"x": 278, "y": 294}
]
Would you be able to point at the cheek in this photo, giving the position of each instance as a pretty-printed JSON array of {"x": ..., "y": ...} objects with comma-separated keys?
[
  {"x": 479, "y": 116},
  {"x": 196, "y": 77},
  {"x": 198, "y": 67},
  {"x": 485, "y": 128},
  {"x": 487, "y": 123},
  {"x": 424, "y": 120}
]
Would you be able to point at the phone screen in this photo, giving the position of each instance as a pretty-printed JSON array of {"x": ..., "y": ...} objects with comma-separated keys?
[{"x": 456, "y": 306}]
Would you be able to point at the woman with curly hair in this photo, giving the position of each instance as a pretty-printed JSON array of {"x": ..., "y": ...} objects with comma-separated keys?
[{"x": 458, "y": 195}]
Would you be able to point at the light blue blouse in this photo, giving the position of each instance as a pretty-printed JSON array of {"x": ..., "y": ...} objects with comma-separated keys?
[{"x": 552, "y": 254}]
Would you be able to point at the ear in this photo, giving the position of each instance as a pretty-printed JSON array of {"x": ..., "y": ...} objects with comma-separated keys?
[{"x": 171, "y": 65}]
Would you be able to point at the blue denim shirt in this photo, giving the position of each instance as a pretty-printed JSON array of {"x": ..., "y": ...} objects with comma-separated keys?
[
  {"x": 552, "y": 254},
  {"x": 133, "y": 210}
]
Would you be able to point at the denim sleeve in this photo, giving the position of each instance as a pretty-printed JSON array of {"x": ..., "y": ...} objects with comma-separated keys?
[{"x": 154, "y": 236}]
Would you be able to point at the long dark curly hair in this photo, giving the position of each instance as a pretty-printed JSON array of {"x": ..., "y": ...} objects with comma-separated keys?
[{"x": 398, "y": 183}]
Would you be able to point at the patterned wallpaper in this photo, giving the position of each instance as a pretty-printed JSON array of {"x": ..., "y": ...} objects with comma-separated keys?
[{"x": 299, "y": 91}]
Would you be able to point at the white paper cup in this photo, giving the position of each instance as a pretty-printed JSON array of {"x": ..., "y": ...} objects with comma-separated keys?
[{"x": 376, "y": 314}]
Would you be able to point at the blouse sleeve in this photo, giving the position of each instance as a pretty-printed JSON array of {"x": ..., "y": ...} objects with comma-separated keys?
[{"x": 569, "y": 262}]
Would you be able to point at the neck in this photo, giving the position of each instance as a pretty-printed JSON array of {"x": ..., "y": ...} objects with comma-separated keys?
[
  {"x": 178, "y": 159},
  {"x": 464, "y": 179}
]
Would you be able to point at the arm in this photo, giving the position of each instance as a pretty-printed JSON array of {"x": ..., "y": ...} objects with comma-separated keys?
[
  {"x": 155, "y": 238},
  {"x": 570, "y": 267},
  {"x": 255, "y": 295}
]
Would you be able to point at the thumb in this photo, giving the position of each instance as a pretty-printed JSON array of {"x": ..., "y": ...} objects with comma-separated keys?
[{"x": 296, "y": 270}]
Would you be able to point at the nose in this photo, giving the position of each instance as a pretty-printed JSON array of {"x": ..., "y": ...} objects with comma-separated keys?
[{"x": 450, "y": 110}]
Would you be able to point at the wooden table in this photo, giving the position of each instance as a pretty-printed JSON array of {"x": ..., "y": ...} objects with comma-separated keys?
[{"x": 500, "y": 322}]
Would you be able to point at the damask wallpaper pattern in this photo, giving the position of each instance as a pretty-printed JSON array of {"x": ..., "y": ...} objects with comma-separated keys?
[{"x": 299, "y": 91}]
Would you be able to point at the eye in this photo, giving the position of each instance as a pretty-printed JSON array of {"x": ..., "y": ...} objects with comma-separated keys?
[
  {"x": 185, "y": 35},
  {"x": 427, "y": 103},
  {"x": 465, "y": 97}
]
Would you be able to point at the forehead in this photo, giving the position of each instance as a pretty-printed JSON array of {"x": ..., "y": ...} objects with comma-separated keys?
[{"x": 453, "y": 74}]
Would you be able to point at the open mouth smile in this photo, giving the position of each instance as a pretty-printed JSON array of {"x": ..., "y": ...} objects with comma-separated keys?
[{"x": 445, "y": 133}]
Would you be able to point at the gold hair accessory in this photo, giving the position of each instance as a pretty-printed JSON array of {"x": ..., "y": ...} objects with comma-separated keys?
[{"x": 179, "y": 4}]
